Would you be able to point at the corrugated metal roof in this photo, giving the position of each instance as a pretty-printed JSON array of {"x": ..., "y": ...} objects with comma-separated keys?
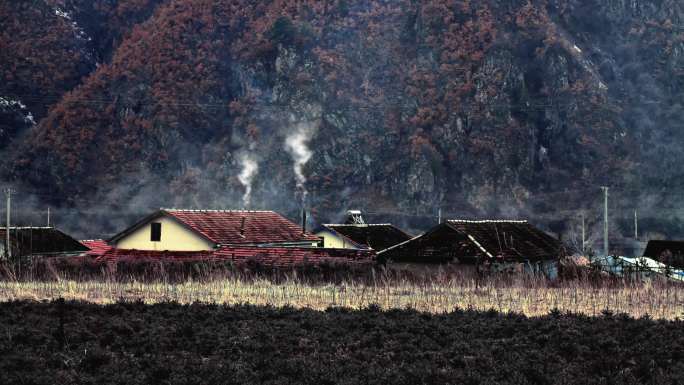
[
  {"x": 376, "y": 236},
  {"x": 508, "y": 238},
  {"x": 41, "y": 240}
]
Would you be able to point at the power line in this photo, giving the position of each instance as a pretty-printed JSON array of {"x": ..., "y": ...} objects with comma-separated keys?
[{"x": 542, "y": 104}]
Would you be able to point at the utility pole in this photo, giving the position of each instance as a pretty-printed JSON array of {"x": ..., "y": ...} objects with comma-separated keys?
[
  {"x": 8, "y": 248},
  {"x": 439, "y": 216},
  {"x": 636, "y": 226},
  {"x": 48, "y": 217},
  {"x": 583, "y": 234},
  {"x": 605, "y": 220}
]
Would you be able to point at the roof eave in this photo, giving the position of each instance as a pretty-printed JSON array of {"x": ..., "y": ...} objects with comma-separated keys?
[
  {"x": 135, "y": 226},
  {"x": 157, "y": 214},
  {"x": 338, "y": 234}
]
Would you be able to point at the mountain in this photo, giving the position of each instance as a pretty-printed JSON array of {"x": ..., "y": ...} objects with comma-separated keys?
[{"x": 506, "y": 108}]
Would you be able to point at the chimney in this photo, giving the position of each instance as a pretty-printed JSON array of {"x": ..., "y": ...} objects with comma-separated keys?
[
  {"x": 303, "y": 221},
  {"x": 242, "y": 227}
]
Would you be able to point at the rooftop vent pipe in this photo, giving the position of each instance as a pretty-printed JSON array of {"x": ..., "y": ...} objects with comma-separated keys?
[
  {"x": 303, "y": 221},
  {"x": 242, "y": 227}
]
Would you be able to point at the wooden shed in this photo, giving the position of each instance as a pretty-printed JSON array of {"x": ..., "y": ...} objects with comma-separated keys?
[
  {"x": 30, "y": 241},
  {"x": 476, "y": 241}
]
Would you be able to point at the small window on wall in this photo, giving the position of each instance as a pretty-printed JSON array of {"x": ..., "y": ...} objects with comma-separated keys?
[{"x": 155, "y": 233}]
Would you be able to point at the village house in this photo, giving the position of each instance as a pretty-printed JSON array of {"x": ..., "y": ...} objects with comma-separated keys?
[
  {"x": 239, "y": 237},
  {"x": 43, "y": 241},
  {"x": 655, "y": 249},
  {"x": 376, "y": 236},
  {"x": 478, "y": 242},
  {"x": 205, "y": 230},
  {"x": 668, "y": 252},
  {"x": 355, "y": 233}
]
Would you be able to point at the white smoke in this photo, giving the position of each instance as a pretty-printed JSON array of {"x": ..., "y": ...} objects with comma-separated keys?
[
  {"x": 297, "y": 145},
  {"x": 250, "y": 167}
]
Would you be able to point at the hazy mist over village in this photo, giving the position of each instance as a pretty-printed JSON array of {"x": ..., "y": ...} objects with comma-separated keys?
[{"x": 405, "y": 166}]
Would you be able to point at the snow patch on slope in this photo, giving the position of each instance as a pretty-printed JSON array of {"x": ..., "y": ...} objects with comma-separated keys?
[
  {"x": 566, "y": 41},
  {"x": 6, "y": 102},
  {"x": 80, "y": 33},
  {"x": 62, "y": 14}
]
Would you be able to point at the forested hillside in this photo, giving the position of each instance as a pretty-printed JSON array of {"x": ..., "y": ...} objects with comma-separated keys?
[{"x": 506, "y": 108}]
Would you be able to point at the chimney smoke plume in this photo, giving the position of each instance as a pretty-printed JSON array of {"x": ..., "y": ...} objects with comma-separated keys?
[
  {"x": 297, "y": 145},
  {"x": 249, "y": 169}
]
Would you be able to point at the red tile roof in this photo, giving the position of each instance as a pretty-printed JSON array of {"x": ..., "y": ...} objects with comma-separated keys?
[
  {"x": 223, "y": 227},
  {"x": 287, "y": 257},
  {"x": 114, "y": 255},
  {"x": 96, "y": 246},
  {"x": 280, "y": 257}
]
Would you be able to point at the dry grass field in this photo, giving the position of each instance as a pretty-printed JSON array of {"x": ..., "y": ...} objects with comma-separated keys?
[{"x": 530, "y": 297}]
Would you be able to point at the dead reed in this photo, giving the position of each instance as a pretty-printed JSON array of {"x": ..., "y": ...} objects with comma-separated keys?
[{"x": 527, "y": 295}]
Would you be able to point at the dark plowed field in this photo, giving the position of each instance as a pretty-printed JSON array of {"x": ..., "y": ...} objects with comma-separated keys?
[{"x": 132, "y": 343}]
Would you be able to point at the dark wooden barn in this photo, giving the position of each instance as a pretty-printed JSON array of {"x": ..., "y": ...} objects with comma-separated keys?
[
  {"x": 27, "y": 241},
  {"x": 668, "y": 252},
  {"x": 473, "y": 241}
]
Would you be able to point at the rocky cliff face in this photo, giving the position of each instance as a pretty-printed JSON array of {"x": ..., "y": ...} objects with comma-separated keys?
[{"x": 491, "y": 107}]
